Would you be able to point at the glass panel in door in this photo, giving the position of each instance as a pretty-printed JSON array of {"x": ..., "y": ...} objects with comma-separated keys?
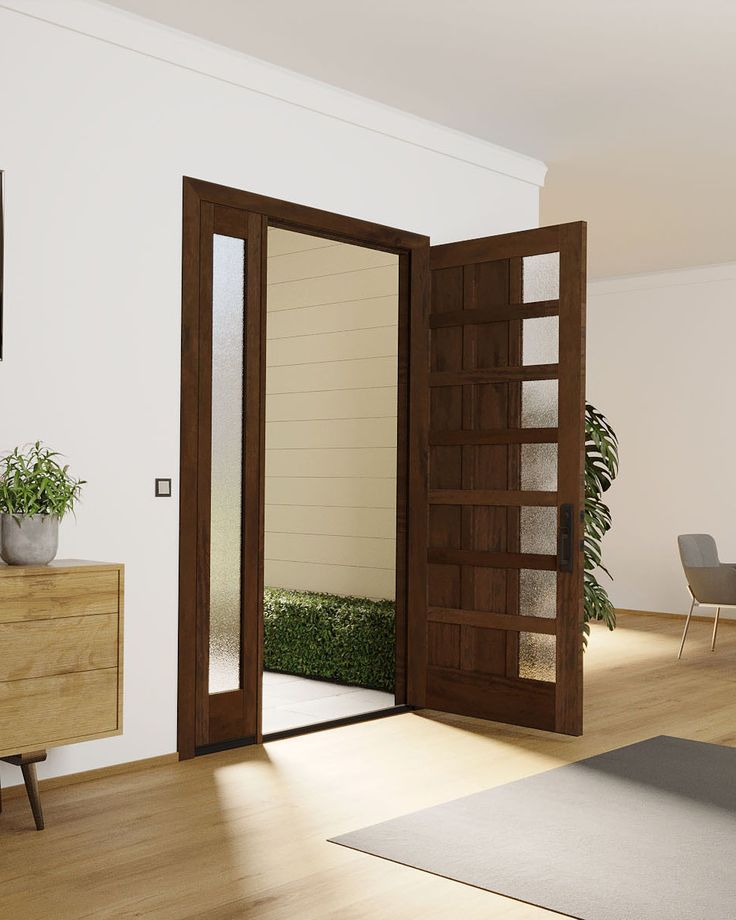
[{"x": 226, "y": 546}]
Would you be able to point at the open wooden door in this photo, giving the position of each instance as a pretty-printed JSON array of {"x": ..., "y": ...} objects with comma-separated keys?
[{"x": 500, "y": 635}]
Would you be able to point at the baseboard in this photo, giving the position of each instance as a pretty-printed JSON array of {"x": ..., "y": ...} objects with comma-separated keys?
[
  {"x": 700, "y": 618},
  {"x": 73, "y": 779}
]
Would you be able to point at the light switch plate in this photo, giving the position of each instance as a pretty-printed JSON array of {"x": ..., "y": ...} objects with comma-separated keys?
[{"x": 163, "y": 488}]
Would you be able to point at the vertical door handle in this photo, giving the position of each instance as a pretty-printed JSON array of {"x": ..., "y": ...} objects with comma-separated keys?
[{"x": 565, "y": 538}]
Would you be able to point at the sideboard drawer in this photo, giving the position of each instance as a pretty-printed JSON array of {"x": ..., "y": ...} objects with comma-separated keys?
[
  {"x": 71, "y": 594},
  {"x": 40, "y": 648},
  {"x": 36, "y": 713}
]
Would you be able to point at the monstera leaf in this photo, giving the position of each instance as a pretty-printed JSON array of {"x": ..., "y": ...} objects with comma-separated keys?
[{"x": 601, "y": 468}]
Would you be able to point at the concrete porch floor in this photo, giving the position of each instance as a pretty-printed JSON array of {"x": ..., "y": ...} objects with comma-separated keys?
[{"x": 296, "y": 702}]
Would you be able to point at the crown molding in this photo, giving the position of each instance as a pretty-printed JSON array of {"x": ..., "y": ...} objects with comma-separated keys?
[
  {"x": 648, "y": 281},
  {"x": 101, "y": 22}
]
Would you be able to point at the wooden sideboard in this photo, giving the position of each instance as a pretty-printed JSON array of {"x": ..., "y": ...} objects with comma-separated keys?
[{"x": 61, "y": 659}]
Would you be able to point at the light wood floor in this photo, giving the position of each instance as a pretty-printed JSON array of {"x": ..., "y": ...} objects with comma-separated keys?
[{"x": 243, "y": 833}]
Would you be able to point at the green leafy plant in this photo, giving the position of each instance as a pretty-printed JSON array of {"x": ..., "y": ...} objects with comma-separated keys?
[
  {"x": 601, "y": 468},
  {"x": 346, "y": 639},
  {"x": 32, "y": 481}
]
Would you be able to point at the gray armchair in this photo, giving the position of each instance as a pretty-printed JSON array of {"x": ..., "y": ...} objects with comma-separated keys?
[{"x": 711, "y": 583}]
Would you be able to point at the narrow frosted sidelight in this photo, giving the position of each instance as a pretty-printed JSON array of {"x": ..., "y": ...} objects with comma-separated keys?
[
  {"x": 539, "y": 530},
  {"x": 228, "y": 302},
  {"x": 541, "y": 278},
  {"x": 537, "y": 656},
  {"x": 538, "y": 593},
  {"x": 541, "y": 340}
]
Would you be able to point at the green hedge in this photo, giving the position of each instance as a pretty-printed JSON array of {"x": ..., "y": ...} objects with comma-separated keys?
[{"x": 349, "y": 640}]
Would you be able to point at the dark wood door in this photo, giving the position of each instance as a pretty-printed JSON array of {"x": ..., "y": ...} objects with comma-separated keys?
[{"x": 500, "y": 636}]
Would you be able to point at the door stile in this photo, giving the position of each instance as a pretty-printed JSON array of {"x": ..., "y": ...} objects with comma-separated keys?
[
  {"x": 204, "y": 454},
  {"x": 416, "y": 588},
  {"x": 570, "y": 489},
  {"x": 253, "y": 607},
  {"x": 513, "y": 525}
]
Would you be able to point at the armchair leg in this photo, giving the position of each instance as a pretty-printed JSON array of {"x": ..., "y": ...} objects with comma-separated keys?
[
  {"x": 687, "y": 626},
  {"x": 715, "y": 630}
]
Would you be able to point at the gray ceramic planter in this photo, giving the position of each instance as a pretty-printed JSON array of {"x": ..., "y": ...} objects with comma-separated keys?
[{"x": 31, "y": 539}]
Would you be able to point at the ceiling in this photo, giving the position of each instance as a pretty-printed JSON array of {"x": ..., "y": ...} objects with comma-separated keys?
[{"x": 632, "y": 104}]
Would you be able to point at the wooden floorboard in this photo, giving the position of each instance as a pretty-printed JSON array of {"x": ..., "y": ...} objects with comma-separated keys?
[{"x": 243, "y": 833}]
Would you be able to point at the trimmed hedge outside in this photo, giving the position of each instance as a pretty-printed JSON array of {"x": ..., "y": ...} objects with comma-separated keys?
[{"x": 349, "y": 640}]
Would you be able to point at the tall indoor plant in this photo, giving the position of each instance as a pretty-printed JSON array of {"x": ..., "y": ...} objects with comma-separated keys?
[
  {"x": 601, "y": 468},
  {"x": 35, "y": 493}
]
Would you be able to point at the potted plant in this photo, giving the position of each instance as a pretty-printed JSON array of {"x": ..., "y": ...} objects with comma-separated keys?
[{"x": 35, "y": 494}]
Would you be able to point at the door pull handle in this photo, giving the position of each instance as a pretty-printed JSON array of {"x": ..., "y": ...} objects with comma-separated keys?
[{"x": 566, "y": 538}]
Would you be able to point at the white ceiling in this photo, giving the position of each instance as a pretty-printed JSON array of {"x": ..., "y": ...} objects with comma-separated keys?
[{"x": 631, "y": 103}]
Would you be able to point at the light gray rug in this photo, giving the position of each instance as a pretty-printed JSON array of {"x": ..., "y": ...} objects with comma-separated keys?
[{"x": 645, "y": 832}]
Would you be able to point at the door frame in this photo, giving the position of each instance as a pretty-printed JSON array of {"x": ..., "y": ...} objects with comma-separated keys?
[{"x": 412, "y": 434}]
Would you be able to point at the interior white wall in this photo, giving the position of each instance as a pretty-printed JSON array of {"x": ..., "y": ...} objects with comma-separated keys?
[
  {"x": 661, "y": 367},
  {"x": 95, "y": 140}
]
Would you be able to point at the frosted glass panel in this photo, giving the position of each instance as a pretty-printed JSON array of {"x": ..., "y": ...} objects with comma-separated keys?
[
  {"x": 539, "y": 467},
  {"x": 538, "y": 593},
  {"x": 541, "y": 277},
  {"x": 539, "y": 404},
  {"x": 228, "y": 298},
  {"x": 539, "y": 530},
  {"x": 541, "y": 340},
  {"x": 537, "y": 656}
]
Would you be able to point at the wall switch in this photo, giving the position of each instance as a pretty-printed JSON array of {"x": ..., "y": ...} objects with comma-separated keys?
[{"x": 163, "y": 488}]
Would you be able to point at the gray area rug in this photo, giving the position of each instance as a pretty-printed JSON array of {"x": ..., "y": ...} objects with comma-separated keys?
[{"x": 645, "y": 832}]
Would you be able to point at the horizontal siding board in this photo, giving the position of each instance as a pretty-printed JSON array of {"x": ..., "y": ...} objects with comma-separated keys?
[
  {"x": 332, "y": 346},
  {"x": 326, "y": 549},
  {"x": 363, "y": 313},
  {"x": 332, "y": 579},
  {"x": 331, "y": 493},
  {"x": 367, "y": 282},
  {"x": 355, "y": 522},
  {"x": 337, "y": 433},
  {"x": 282, "y": 242},
  {"x": 377, "y": 463},
  {"x": 372, "y": 402},
  {"x": 324, "y": 261},
  {"x": 359, "y": 373}
]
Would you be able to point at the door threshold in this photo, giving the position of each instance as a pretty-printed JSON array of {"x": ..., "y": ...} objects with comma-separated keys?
[
  {"x": 223, "y": 746},
  {"x": 339, "y": 723}
]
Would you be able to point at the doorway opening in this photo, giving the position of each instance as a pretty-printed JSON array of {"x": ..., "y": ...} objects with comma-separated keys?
[{"x": 331, "y": 415}]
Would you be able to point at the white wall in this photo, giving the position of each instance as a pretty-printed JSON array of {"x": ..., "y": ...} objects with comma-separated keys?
[
  {"x": 661, "y": 366},
  {"x": 95, "y": 138},
  {"x": 331, "y": 402}
]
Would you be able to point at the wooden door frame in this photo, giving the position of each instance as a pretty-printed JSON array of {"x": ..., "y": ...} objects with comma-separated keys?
[{"x": 412, "y": 428}]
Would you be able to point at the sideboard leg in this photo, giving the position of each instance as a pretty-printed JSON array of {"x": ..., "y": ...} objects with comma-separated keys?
[
  {"x": 27, "y": 763},
  {"x": 31, "y": 780}
]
